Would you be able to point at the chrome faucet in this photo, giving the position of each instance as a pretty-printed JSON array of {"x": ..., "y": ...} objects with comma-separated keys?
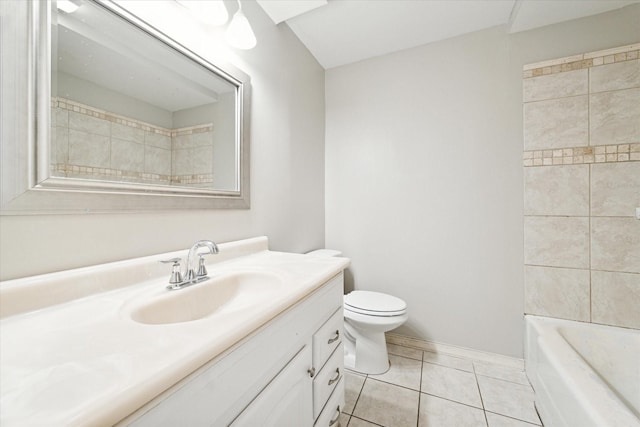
[
  {"x": 191, "y": 276},
  {"x": 190, "y": 273}
]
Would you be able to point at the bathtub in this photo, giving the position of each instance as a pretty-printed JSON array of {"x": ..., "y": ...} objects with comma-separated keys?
[{"x": 583, "y": 374}]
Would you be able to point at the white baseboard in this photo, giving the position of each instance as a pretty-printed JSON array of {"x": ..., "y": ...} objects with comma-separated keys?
[{"x": 452, "y": 350}]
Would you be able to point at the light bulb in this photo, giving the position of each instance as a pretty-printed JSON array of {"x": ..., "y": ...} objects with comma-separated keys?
[
  {"x": 211, "y": 12},
  {"x": 239, "y": 33}
]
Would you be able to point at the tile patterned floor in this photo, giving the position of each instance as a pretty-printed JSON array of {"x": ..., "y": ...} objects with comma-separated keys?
[{"x": 427, "y": 389}]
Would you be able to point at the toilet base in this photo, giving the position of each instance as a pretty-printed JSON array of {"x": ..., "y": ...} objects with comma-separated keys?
[{"x": 367, "y": 354}]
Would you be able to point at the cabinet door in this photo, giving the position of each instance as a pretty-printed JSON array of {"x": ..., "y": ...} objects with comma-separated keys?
[{"x": 286, "y": 400}]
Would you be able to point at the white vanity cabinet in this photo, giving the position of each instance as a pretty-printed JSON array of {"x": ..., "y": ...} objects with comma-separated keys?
[
  {"x": 328, "y": 359},
  {"x": 287, "y": 373},
  {"x": 286, "y": 401}
]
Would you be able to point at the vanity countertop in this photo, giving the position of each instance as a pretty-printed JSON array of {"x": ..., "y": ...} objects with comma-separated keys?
[{"x": 86, "y": 362}]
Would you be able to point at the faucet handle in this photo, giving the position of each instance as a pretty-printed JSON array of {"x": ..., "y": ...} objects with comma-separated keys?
[
  {"x": 202, "y": 270},
  {"x": 176, "y": 276}
]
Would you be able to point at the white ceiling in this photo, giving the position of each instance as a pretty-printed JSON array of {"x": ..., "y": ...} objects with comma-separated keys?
[
  {"x": 94, "y": 45},
  {"x": 345, "y": 31}
]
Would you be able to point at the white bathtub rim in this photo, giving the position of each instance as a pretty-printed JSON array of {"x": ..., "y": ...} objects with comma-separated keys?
[{"x": 602, "y": 404}]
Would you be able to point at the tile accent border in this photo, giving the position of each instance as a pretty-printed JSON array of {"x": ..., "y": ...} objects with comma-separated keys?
[
  {"x": 452, "y": 350},
  {"x": 582, "y": 155},
  {"x": 106, "y": 173},
  {"x": 205, "y": 178},
  {"x": 577, "y": 62},
  {"x": 67, "y": 104},
  {"x": 61, "y": 169}
]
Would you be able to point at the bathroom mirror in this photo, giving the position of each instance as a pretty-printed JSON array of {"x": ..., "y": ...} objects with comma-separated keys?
[{"x": 124, "y": 117}]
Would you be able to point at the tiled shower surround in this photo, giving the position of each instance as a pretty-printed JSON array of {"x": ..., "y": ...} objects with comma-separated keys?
[
  {"x": 92, "y": 143},
  {"x": 581, "y": 187}
]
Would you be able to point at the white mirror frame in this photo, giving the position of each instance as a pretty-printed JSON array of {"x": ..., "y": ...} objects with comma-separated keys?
[{"x": 28, "y": 186}]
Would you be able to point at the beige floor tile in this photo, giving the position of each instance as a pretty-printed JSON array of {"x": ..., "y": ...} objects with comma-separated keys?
[
  {"x": 450, "y": 383},
  {"x": 496, "y": 420},
  {"x": 437, "y": 412},
  {"x": 357, "y": 422},
  {"x": 449, "y": 361},
  {"x": 352, "y": 387},
  {"x": 399, "y": 350},
  {"x": 507, "y": 398},
  {"x": 404, "y": 372},
  {"x": 343, "y": 421},
  {"x": 506, "y": 373},
  {"x": 387, "y": 404}
]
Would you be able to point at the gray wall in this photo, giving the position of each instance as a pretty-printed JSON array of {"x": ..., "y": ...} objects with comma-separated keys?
[
  {"x": 287, "y": 169},
  {"x": 89, "y": 93},
  {"x": 424, "y": 185}
]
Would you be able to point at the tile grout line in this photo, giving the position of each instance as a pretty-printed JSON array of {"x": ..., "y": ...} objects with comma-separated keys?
[
  {"x": 450, "y": 367},
  {"x": 358, "y": 398},
  {"x": 484, "y": 410},
  {"x": 514, "y": 418},
  {"x": 502, "y": 379},
  {"x": 420, "y": 389},
  {"x": 394, "y": 384}
]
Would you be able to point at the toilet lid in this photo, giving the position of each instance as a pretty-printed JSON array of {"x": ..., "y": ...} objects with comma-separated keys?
[{"x": 374, "y": 303}]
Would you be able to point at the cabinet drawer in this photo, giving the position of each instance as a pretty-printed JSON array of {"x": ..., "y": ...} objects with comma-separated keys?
[
  {"x": 330, "y": 415},
  {"x": 327, "y": 339},
  {"x": 327, "y": 379}
]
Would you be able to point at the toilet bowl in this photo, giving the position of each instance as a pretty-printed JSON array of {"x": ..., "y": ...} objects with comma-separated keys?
[{"x": 367, "y": 316}]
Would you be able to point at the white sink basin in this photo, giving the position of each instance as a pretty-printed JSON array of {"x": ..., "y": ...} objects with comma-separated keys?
[{"x": 218, "y": 295}]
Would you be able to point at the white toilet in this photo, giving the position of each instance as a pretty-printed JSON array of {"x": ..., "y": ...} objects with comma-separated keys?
[{"x": 367, "y": 316}]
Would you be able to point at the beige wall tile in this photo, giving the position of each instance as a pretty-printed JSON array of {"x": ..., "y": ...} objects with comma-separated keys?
[
  {"x": 556, "y": 241},
  {"x": 89, "y": 124},
  {"x": 615, "y": 244},
  {"x": 157, "y": 140},
  {"x": 621, "y": 75},
  {"x": 60, "y": 117},
  {"x": 615, "y": 298},
  {"x": 614, "y": 117},
  {"x": 615, "y": 189},
  {"x": 157, "y": 160},
  {"x": 60, "y": 144},
  {"x": 557, "y": 292},
  {"x": 127, "y": 155},
  {"x": 203, "y": 139},
  {"x": 556, "y": 85},
  {"x": 127, "y": 133},
  {"x": 559, "y": 190},
  {"x": 182, "y": 141},
  {"x": 89, "y": 149},
  {"x": 556, "y": 123},
  {"x": 203, "y": 160},
  {"x": 182, "y": 161}
]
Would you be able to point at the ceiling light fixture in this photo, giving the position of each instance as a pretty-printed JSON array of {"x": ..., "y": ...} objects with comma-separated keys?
[
  {"x": 239, "y": 33},
  {"x": 211, "y": 12},
  {"x": 67, "y": 6}
]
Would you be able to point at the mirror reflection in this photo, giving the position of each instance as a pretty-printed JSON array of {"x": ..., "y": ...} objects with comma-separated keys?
[{"x": 126, "y": 107}]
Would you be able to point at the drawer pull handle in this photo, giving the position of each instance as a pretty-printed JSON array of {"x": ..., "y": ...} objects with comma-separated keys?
[
  {"x": 335, "y": 420},
  {"x": 312, "y": 372},
  {"x": 334, "y": 339},
  {"x": 336, "y": 378}
]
